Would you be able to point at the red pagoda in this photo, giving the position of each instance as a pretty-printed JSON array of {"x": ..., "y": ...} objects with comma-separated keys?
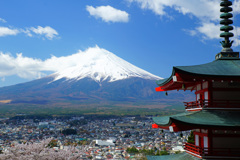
[{"x": 214, "y": 116}]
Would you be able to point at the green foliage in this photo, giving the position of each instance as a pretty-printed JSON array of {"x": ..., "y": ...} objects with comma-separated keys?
[
  {"x": 181, "y": 134},
  {"x": 84, "y": 142},
  {"x": 39, "y": 111},
  {"x": 149, "y": 152},
  {"x": 77, "y": 122},
  {"x": 191, "y": 138},
  {"x": 158, "y": 153},
  {"x": 52, "y": 143},
  {"x": 132, "y": 150},
  {"x": 69, "y": 131},
  {"x": 163, "y": 153}
]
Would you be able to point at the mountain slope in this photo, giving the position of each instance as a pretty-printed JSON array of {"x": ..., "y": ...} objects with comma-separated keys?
[
  {"x": 98, "y": 77},
  {"x": 101, "y": 65}
]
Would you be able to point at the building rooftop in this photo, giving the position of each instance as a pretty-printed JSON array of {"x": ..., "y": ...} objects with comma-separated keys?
[
  {"x": 222, "y": 67},
  {"x": 206, "y": 118},
  {"x": 180, "y": 156}
]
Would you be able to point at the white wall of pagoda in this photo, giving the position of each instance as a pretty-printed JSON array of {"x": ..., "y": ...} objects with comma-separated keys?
[{"x": 202, "y": 91}]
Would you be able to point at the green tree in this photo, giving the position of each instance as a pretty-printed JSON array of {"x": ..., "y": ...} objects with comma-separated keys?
[
  {"x": 52, "y": 143},
  {"x": 158, "y": 153},
  {"x": 83, "y": 142},
  {"x": 181, "y": 134},
  {"x": 147, "y": 152},
  {"x": 164, "y": 153},
  {"x": 191, "y": 138},
  {"x": 69, "y": 131},
  {"x": 132, "y": 150}
]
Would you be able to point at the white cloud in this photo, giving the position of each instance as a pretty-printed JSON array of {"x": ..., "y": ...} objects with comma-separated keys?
[
  {"x": 31, "y": 68},
  {"x": 47, "y": 31},
  {"x": 207, "y": 11},
  {"x": 209, "y": 30},
  {"x": 3, "y": 20},
  {"x": 5, "y": 31},
  {"x": 23, "y": 67},
  {"x": 236, "y": 38},
  {"x": 108, "y": 14},
  {"x": 191, "y": 32},
  {"x": 236, "y": 6}
]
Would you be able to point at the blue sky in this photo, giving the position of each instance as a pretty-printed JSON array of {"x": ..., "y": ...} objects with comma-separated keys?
[{"x": 155, "y": 35}]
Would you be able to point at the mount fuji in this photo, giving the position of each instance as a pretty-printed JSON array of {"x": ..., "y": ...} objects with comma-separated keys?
[
  {"x": 101, "y": 65},
  {"x": 98, "y": 77}
]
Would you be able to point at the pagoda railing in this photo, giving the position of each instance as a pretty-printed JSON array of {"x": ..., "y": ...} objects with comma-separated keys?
[
  {"x": 204, "y": 151},
  {"x": 192, "y": 148},
  {"x": 212, "y": 104},
  {"x": 194, "y": 104}
]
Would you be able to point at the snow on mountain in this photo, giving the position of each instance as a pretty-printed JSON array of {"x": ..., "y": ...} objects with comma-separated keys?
[{"x": 100, "y": 65}]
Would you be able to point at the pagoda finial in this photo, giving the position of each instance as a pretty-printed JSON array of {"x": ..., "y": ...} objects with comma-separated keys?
[
  {"x": 227, "y": 51},
  {"x": 226, "y": 44}
]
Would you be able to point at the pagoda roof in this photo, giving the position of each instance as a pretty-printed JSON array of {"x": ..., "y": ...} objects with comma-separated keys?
[
  {"x": 203, "y": 118},
  {"x": 221, "y": 68}
]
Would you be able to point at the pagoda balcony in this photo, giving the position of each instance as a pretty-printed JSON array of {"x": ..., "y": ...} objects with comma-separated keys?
[
  {"x": 213, "y": 104},
  {"x": 211, "y": 152}
]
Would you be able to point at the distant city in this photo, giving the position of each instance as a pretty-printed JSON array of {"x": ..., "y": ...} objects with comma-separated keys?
[{"x": 103, "y": 137}]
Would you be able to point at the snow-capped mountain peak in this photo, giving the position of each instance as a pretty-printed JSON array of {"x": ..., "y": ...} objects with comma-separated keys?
[{"x": 100, "y": 65}]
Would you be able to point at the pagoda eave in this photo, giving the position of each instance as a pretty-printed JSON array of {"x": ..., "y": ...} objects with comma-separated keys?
[
  {"x": 199, "y": 119},
  {"x": 190, "y": 81},
  {"x": 186, "y": 77}
]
